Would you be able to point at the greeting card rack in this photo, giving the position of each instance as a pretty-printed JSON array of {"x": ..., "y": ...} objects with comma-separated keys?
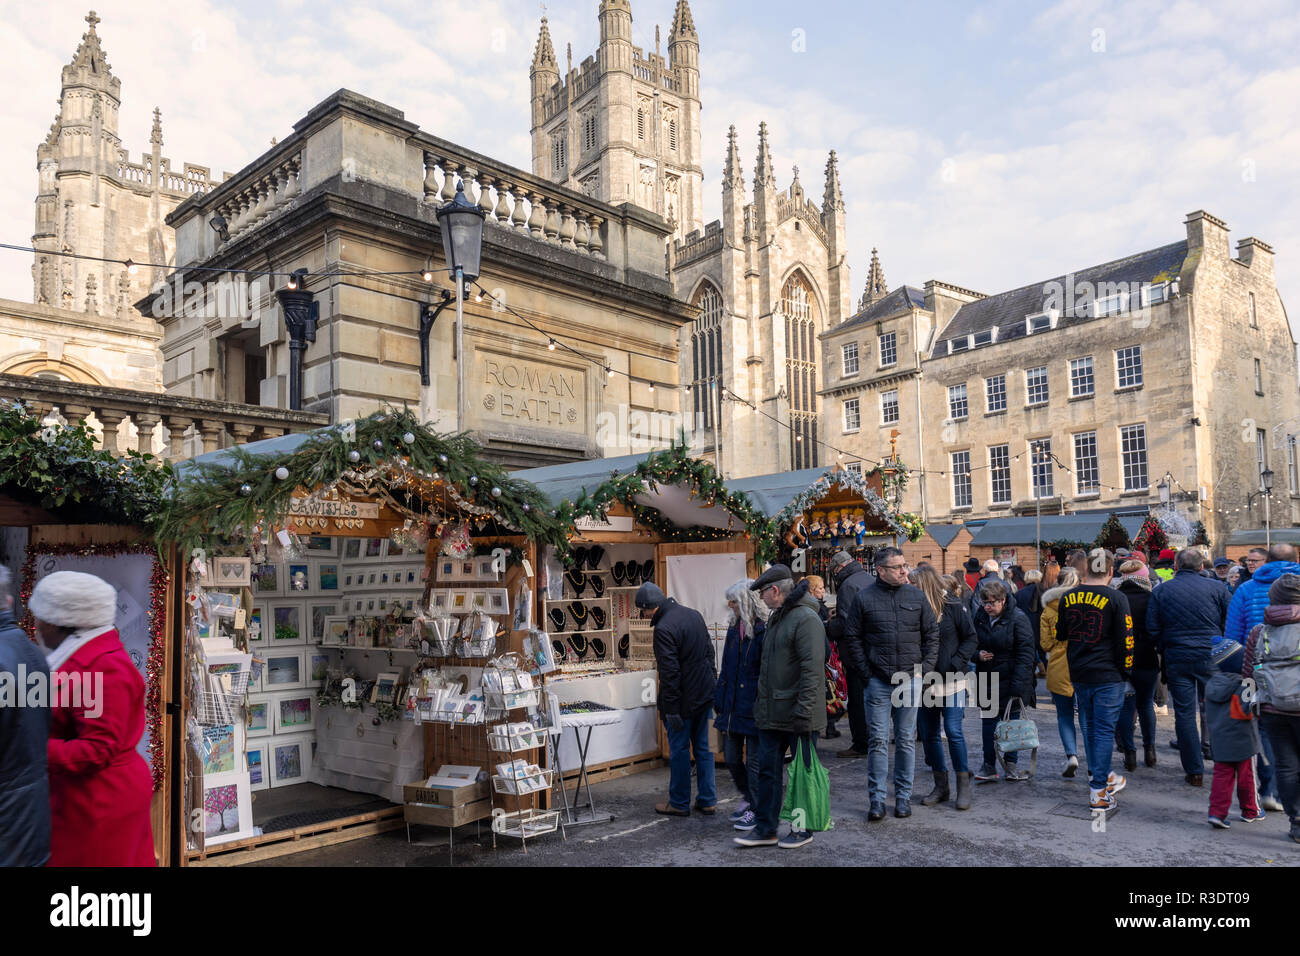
[{"x": 518, "y": 777}]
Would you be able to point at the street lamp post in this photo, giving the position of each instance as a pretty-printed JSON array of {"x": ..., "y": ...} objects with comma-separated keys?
[
  {"x": 461, "y": 223},
  {"x": 301, "y": 313},
  {"x": 1266, "y": 481},
  {"x": 1035, "y": 450}
]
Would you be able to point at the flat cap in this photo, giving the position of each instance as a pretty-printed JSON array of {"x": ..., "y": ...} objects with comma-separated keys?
[{"x": 777, "y": 572}]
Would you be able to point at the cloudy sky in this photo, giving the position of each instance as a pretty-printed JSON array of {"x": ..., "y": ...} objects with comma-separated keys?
[{"x": 987, "y": 144}]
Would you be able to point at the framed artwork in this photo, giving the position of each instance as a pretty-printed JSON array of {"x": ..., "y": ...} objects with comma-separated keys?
[
  {"x": 497, "y": 602},
  {"x": 374, "y": 547},
  {"x": 227, "y": 808},
  {"x": 480, "y": 599},
  {"x": 483, "y": 570},
  {"x": 467, "y": 569},
  {"x": 373, "y": 575},
  {"x": 286, "y": 625},
  {"x": 299, "y": 579},
  {"x": 319, "y": 546},
  {"x": 290, "y": 760},
  {"x": 448, "y": 569},
  {"x": 383, "y": 577},
  {"x": 440, "y": 599},
  {"x": 221, "y": 748},
  {"x": 257, "y": 719},
  {"x": 347, "y": 581},
  {"x": 460, "y": 602},
  {"x": 257, "y": 673},
  {"x": 285, "y": 669},
  {"x": 256, "y": 627},
  {"x": 266, "y": 579},
  {"x": 318, "y": 663},
  {"x": 232, "y": 572},
  {"x": 319, "y": 613},
  {"x": 395, "y": 550},
  {"x": 255, "y": 762},
  {"x": 327, "y": 577},
  {"x": 370, "y": 604},
  {"x": 335, "y": 631},
  {"x": 351, "y": 547},
  {"x": 385, "y": 689},
  {"x": 294, "y": 712}
]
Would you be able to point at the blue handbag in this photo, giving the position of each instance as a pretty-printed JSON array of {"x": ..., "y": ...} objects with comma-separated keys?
[{"x": 1013, "y": 736}]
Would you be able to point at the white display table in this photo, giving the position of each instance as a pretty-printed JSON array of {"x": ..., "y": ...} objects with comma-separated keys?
[{"x": 354, "y": 754}]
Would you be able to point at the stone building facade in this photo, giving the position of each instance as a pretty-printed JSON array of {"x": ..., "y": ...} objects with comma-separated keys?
[
  {"x": 1086, "y": 391},
  {"x": 766, "y": 279},
  {"x": 350, "y": 196},
  {"x": 93, "y": 201}
]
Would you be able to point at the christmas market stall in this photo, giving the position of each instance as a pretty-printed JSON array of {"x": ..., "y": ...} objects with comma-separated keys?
[
  {"x": 662, "y": 517},
  {"x": 357, "y": 604},
  {"x": 67, "y": 506}
]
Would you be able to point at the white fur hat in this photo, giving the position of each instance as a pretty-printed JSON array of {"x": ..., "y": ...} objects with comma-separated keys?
[{"x": 76, "y": 600}]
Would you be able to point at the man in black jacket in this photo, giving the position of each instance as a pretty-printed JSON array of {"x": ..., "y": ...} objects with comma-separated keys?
[
  {"x": 891, "y": 635},
  {"x": 850, "y": 578},
  {"x": 687, "y": 678},
  {"x": 24, "y": 733}
]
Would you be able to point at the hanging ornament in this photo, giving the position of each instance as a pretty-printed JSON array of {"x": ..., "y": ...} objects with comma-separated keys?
[
  {"x": 354, "y": 456},
  {"x": 456, "y": 541},
  {"x": 527, "y": 507},
  {"x": 496, "y": 492},
  {"x": 473, "y": 480},
  {"x": 377, "y": 444},
  {"x": 245, "y": 490},
  {"x": 443, "y": 459},
  {"x": 281, "y": 473},
  {"x": 408, "y": 438}
]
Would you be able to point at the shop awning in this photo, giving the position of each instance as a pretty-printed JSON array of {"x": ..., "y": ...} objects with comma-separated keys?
[
  {"x": 998, "y": 532},
  {"x": 943, "y": 533},
  {"x": 1258, "y": 536},
  {"x": 771, "y": 493},
  {"x": 784, "y": 494},
  {"x": 267, "y": 446}
]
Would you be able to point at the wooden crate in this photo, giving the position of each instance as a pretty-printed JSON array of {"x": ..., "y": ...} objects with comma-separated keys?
[
  {"x": 445, "y": 796},
  {"x": 448, "y": 816}
]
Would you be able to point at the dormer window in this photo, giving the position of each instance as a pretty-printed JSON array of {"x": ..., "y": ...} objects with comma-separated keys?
[
  {"x": 1041, "y": 321},
  {"x": 987, "y": 337},
  {"x": 1110, "y": 305},
  {"x": 959, "y": 344},
  {"x": 1153, "y": 294}
]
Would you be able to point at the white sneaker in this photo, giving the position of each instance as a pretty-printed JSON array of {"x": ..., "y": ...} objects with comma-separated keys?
[
  {"x": 1271, "y": 803},
  {"x": 1071, "y": 765},
  {"x": 1115, "y": 783},
  {"x": 1162, "y": 710}
]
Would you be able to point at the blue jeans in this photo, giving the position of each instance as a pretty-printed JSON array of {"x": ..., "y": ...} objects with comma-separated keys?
[
  {"x": 694, "y": 736},
  {"x": 1098, "y": 710},
  {"x": 1140, "y": 709},
  {"x": 769, "y": 787},
  {"x": 740, "y": 752},
  {"x": 1065, "y": 724},
  {"x": 1187, "y": 679},
  {"x": 880, "y": 710},
  {"x": 952, "y": 710}
]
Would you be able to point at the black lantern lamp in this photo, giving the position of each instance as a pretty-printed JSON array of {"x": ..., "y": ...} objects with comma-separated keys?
[
  {"x": 461, "y": 223},
  {"x": 301, "y": 313}
]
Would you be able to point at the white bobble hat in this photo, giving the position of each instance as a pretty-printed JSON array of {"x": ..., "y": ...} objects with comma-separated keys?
[{"x": 73, "y": 599}]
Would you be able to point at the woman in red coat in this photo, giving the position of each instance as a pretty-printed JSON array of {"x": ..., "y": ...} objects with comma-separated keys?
[{"x": 100, "y": 788}]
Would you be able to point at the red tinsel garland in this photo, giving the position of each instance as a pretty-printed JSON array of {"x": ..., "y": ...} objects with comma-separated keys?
[{"x": 157, "y": 626}]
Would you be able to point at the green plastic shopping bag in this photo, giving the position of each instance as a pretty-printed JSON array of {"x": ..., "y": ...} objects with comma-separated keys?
[{"x": 808, "y": 796}]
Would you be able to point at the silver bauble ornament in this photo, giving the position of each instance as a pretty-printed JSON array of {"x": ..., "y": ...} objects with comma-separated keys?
[
  {"x": 354, "y": 455},
  {"x": 377, "y": 444},
  {"x": 408, "y": 438},
  {"x": 496, "y": 492},
  {"x": 245, "y": 490},
  {"x": 281, "y": 473},
  {"x": 473, "y": 479}
]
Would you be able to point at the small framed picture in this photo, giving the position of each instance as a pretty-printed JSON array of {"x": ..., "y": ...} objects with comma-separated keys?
[
  {"x": 319, "y": 546},
  {"x": 256, "y": 626},
  {"x": 385, "y": 689},
  {"x": 266, "y": 579},
  {"x": 294, "y": 712},
  {"x": 286, "y": 625},
  {"x": 497, "y": 603},
  {"x": 319, "y": 613},
  {"x": 285, "y": 670},
  {"x": 395, "y": 550},
  {"x": 335, "y": 631},
  {"x": 347, "y": 580},
  {"x": 460, "y": 602},
  {"x": 257, "y": 719},
  {"x": 370, "y": 604},
  {"x": 222, "y": 746},
  {"x": 480, "y": 599},
  {"x": 328, "y": 576},
  {"x": 440, "y": 599},
  {"x": 372, "y": 577},
  {"x": 257, "y": 673},
  {"x": 318, "y": 664},
  {"x": 351, "y": 548},
  {"x": 290, "y": 760},
  {"x": 374, "y": 547},
  {"x": 232, "y": 572},
  {"x": 227, "y": 808},
  {"x": 255, "y": 763},
  {"x": 467, "y": 570},
  {"x": 410, "y": 577},
  {"x": 299, "y": 578},
  {"x": 483, "y": 570},
  {"x": 448, "y": 569},
  {"x": 358, "y": 606}
]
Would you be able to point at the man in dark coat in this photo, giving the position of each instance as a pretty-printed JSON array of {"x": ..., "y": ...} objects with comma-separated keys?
[
  {"x": 890, "y": 631},
  {"x": 1185, "y": 616},
  {"x": 850, "y": 578},
  {"x": 24, "y": 733},
  {"x": 791, "y": 703},
  {"x": 687, "y": 679},
  {"x": 1006, "y": 648}
]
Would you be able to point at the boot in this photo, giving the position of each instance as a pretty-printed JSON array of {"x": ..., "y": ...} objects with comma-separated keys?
[
  {"x": 940, "y": 793},
  {"x": 1149, "y": 754},
  {"x": 963, "y": 791},
  {"x": 1130, "y": 760}
]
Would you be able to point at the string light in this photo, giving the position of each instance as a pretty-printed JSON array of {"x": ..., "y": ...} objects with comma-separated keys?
[{"x": 551, "y": 346}]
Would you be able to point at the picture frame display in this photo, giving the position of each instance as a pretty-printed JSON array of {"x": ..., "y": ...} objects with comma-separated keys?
[
  {"x": 227, "y": 808},
  {"x": 222, "y": 746},
  {"x": 231, "y": 572},
  {"x": 286, "y": 622},
  {"x": 266, "y": 579},
  {"x": 285, "y": 670},
  {"x": 351, "y": 548},
  {"x": 257, "y": 717},
  {"x": 327, "y": 576},
  {"x": 290, "y": 760},
  {"x": 298, "y": 580},
  {"x": 335, "y": 631},
  {"x": 320, "y": 613},
  {"x": 294, "y": 712},
  {"x": 321, "y": 546},
  {"x": 317, "y": 667},
  {"x": 255, "y": 763},
  {"x": 385, "y": 689}
]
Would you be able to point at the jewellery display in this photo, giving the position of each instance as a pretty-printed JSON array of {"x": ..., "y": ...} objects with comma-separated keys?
[
  {"x": 578, "y": 644},
  {"x": 598, "y": 646},
  {"x": 624, "y": 645},
  {"x": 579, "y": 612},
  {"x": 648, "y": 570},
  {"x": 594, "y": 555},
  {"x": 577, "y": 580},
  {"x": 597, "y": 586},
  {"x": 556, "y": 616},
  {"x": 619, "y": 573},
  {"x": 598, "y": 617},
  {"x": 561, "y": 654}
]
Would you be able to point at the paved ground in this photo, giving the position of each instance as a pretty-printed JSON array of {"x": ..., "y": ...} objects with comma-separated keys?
[{"x": 1043, "y": 822}]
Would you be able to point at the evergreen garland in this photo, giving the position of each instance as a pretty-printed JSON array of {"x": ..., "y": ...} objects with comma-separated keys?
[
  {"x": 1112, "y": 534},
  {"x": 904, "y": 523},
  {"x": 1199, "y": 535},
  {"x": 1151, "y": 537}
]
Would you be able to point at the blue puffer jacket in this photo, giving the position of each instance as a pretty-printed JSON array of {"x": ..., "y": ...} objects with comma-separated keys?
[
  {"x": 1251, "y": 599},
  {"x": 1185, "y": 615},
  {"x": 733, "y": 698}
]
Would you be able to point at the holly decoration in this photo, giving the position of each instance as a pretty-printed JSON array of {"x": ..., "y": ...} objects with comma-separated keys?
[{"x": 1151, "y": 537}]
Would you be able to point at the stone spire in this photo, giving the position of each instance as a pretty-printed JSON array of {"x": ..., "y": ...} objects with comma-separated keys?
[
  {"x": 155, "y": 137},
  {"x": 733, "y": 173},
  {"x": 544, "y": 53},
  {"x": 683, "y": 25},
  {"x": 832, "y": 198},
  {"x": 89, "y": 55},
  {"x": 876, "y": 288},
  {"x": 763, "y": 173}
]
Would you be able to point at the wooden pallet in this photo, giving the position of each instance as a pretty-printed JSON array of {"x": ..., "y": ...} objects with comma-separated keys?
[{"x": 284, "y": 842}]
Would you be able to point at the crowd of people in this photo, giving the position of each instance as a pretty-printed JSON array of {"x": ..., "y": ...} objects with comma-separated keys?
[{"x": 1114, "y": 637}]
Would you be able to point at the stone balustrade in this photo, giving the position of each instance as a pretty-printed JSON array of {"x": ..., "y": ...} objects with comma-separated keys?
[
  {"x": 193, "y": 179},
  {"x": 172, "y": 426},
  {"x": 698, "y": 244},
  {"x": 516, "y": 201},
  {"x": 261, "y": 194}
]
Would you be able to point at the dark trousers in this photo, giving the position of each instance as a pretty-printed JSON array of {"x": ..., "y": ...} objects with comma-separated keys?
[
  {"x": 769, "y": 792},
  {"x": 740, "y": 752},
  {"x": 1139, "y": 709},
  {"x": 1187, "y": 680},
  {"x": 1284, "y": 732},
  {"x": 857, "y": 709}
]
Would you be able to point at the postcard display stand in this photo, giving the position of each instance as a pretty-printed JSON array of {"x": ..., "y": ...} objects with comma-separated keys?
[
  {"x": 518, "y": 747},
  {"x": 365, "y": 626}
]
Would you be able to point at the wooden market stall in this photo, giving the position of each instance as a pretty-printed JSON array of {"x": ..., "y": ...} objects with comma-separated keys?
[
  {"x": 663, "y": 517},
  {"x": 328, "y": 565}
]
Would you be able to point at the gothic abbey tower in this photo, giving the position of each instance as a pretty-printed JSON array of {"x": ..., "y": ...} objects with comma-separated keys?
[{"x": 768, "y": 279}]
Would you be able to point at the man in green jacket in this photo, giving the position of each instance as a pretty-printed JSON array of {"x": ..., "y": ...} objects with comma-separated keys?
[{"x": 791, "y": 702}]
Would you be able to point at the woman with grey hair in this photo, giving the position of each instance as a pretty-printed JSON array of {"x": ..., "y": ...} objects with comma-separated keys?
[{"x": 733, "y": 699}]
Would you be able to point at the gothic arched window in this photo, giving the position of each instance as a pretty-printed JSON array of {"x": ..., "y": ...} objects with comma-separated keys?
[
  {"x": 706, "y": 355},
  {"x": 797, "y": 305}
]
